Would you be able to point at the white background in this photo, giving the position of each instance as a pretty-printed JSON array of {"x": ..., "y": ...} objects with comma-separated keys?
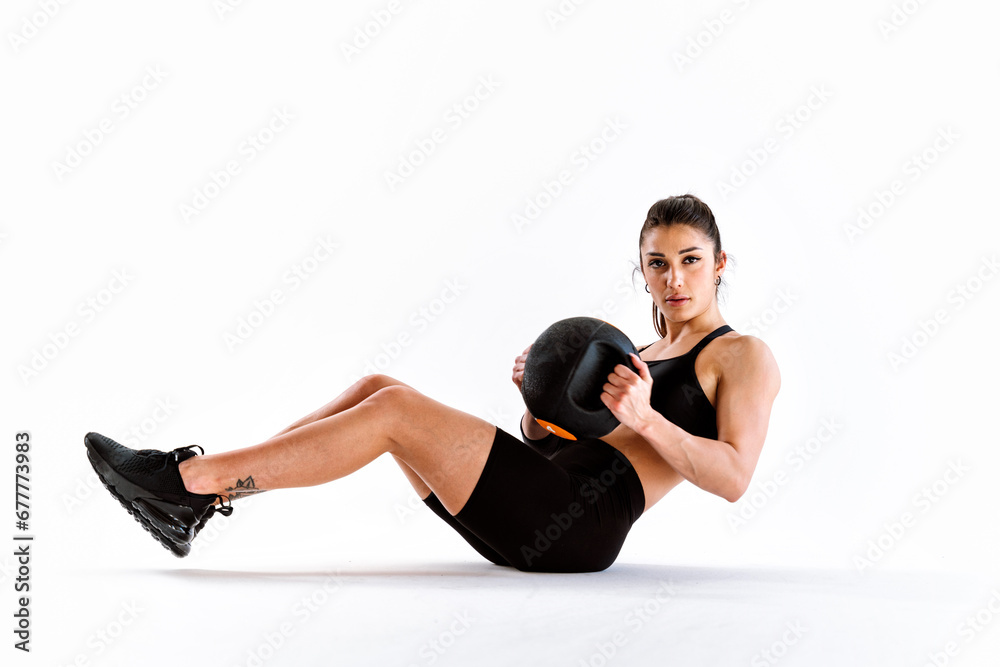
[{"x": 809, "y": 112}]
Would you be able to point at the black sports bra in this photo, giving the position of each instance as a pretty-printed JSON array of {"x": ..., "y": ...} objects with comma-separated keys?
[{"x": 676, "y": 394}]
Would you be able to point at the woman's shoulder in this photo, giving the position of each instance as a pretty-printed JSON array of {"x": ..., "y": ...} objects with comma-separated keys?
[
  {"x": 734, "y": 345},
  {"x": 741, "y": 354}
]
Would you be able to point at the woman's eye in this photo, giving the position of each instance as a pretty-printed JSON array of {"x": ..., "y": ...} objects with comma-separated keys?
[{"x": 657, "y": 263}]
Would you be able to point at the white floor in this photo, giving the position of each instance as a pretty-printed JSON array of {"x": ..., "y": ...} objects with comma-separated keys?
[
  {"x": 467, "y": 612},
  {"x": 344, "y": 574}
]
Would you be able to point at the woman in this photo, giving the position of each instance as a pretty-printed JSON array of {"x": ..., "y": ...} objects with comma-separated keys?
[{"x": 697, "y": 410}]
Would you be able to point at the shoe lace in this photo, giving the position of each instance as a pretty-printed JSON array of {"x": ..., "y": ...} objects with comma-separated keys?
[{"x": 225, "y": 508}]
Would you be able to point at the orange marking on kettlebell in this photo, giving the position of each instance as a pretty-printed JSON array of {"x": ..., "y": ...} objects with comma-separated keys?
[{"x": 552, "y": 428}]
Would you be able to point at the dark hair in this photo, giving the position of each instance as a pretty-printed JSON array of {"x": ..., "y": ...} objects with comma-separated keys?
[{"x": 680, "y": 210}]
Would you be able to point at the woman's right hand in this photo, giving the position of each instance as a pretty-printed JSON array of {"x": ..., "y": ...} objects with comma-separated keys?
[{"x": 519, "y": 367}]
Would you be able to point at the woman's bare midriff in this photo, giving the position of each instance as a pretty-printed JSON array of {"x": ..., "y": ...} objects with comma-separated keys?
[{"x": 657, "y": 476}]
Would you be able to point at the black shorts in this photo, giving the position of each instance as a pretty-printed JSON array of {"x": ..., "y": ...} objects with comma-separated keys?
[{"x": 567, "y": 513}]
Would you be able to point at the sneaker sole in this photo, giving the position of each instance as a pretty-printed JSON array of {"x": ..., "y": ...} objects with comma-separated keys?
[{"x": 121, "y": 488}]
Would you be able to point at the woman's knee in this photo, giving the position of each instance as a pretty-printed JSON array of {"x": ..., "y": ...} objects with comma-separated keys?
[
  {"x": 376, "y": 381},
  {"x": 397, "y": 410},
  {"x": 392, "y": 398},
  {"x": 370, "y": 384}
]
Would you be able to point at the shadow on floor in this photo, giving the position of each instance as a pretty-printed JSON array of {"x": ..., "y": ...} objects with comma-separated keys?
[{"x": 703, "y": 582}]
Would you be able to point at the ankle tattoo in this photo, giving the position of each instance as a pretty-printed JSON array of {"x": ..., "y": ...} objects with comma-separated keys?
[{"x": 243, "y": 488}]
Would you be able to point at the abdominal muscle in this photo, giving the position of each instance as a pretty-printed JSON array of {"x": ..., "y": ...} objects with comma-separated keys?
[{"x": 657, "y": 476}]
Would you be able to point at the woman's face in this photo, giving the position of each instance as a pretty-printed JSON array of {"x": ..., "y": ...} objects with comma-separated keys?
[{"x": 677, "y": 263}]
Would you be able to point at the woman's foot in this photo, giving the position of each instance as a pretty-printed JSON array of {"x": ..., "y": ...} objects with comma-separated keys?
[{"x": 148, "y": 484}]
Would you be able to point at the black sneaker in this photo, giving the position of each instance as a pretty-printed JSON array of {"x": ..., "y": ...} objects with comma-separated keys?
[{"x": 149, "y": 486}]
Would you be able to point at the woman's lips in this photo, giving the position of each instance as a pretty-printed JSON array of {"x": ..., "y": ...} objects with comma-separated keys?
[{"x": 678, "y": 302}]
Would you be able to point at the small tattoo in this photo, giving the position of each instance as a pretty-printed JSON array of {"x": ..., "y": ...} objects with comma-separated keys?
[
  {"x": 248, "y": 483},
  {"x": 243, "y": 488}
]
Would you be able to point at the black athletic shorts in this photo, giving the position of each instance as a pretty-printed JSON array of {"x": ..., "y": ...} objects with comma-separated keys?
[{"x": 566, "y": 512}]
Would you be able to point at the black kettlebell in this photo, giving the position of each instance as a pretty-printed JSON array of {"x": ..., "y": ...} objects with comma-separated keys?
[{"x": 565, "y": 372}]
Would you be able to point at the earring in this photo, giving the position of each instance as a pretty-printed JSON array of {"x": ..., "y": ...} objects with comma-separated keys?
[
  {"x": 718, "y": 280},
  {"x": 647, "y": 289}
]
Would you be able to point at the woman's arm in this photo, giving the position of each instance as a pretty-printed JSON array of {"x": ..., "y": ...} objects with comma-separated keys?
[
  {"x": 747, "y": 387},
  {"x": 530, "y": 429}
]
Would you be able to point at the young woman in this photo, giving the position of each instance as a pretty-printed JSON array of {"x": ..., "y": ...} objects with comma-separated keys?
[{"x": 697, "y": 410}]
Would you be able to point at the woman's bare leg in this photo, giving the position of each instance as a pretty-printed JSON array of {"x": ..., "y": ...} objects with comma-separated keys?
[
  {"x": 445, "y": 448},
  {"x": 353, "y": 395},
  {"x": 350, "y": 397}
]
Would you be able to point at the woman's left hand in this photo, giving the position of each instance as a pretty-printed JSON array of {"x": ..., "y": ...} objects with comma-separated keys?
[{"x": 627, "y": 394}]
